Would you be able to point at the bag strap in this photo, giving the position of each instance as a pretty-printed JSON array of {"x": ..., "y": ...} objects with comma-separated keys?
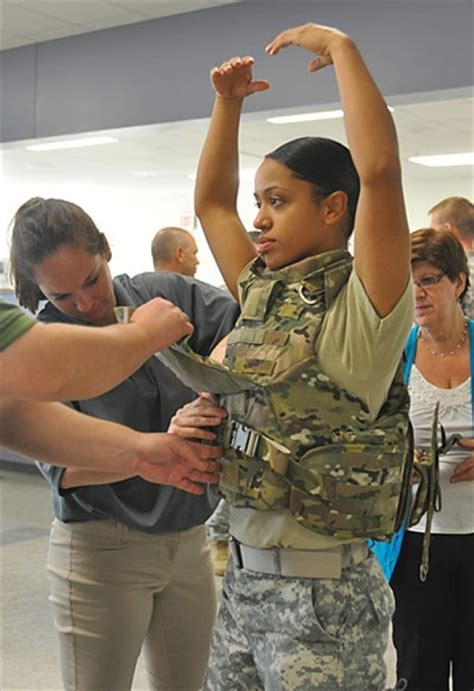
[
  {"x": 470, "y": 326},
  {"x": 410, "y": 352}
]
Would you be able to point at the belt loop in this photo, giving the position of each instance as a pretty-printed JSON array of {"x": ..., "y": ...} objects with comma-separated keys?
[
  {"x": 236, "y": 553},
  {"x": 276, "y": 560}
]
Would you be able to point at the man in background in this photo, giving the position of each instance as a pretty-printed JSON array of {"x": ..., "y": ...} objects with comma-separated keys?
[
  {"x": 174, "y": 249},
  {"x": 457, "y": 214}
]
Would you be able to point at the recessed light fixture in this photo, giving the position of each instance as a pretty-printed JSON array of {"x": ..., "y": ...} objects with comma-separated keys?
[
  {"x": 309, "y": 117},
  {"x": 444, "y": 160},
  {"x": 72, "y": 143},
  {"x": 306, "y": 117}
]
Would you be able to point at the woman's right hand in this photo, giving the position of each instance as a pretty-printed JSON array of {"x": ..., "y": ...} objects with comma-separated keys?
[
  {"x": 464, "y": 471},
  {"x": 234, "y": 79},
  {"x": 191, "y": 420}
]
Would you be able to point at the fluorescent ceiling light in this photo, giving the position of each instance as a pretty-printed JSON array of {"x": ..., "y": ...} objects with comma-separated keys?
[
  {"x": 72, "y": 143},
  {"x": 309, "y": 117},
  {"x": 306, "y": 117},
  {"x": 444, "y": 160}
]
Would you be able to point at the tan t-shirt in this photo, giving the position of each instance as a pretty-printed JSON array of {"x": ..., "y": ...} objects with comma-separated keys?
[{"x": 359, "y": 351}]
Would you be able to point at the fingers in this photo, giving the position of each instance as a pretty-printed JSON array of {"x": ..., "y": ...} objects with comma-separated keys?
[
  {"x": 464, "y": 471},
  {"x": 190, "y": 487},
  {"x": 233, "y": 79},
  {"x": 283, "y": 40},
  {"x": 318, "y": 63},
  {"x": 258, "y": 85},
  {"x": 199, "y": 413},
  {"x": 466, "y": 476},
  {"x": 206, "y": 478},
  {"x": 206, "y": 451},
  {"x": 233, "y": 65},
  {"x": 466, "y": 443},
  {"x": 205, "y": 395},
  {"x": 192, "y": 432}
]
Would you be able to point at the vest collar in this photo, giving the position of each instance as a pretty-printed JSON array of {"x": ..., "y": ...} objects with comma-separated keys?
[{"x": 328, "y": 271}]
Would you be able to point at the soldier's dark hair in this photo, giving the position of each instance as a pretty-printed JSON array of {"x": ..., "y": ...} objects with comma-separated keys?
[
  {"x": 39, "y": 228},
  {"x": 443, "y": 249},
  {"x": 327, "y": 165}
]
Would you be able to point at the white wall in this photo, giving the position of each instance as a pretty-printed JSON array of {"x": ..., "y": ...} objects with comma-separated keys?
[{"x": 129, "y": 216}]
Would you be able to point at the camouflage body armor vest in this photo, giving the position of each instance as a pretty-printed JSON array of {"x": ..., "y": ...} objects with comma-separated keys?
[{"x": 295, "y": 439}]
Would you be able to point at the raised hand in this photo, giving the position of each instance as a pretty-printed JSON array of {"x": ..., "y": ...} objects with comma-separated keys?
[
  {"x": 314, "y": 37},
  {"x": 164, "y": 322},
  {"x": 234, "y": 79},
  {"x": 168, "y": 460}
]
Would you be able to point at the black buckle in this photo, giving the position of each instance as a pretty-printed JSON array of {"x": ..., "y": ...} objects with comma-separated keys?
[
  {"x": 447, "y": 443},
  {"x": 236, "y": 553},
  {"x": 242, "y": 438}
]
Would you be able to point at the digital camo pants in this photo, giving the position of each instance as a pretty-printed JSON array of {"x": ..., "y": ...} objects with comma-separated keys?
[{"x": 298, "y": 634}]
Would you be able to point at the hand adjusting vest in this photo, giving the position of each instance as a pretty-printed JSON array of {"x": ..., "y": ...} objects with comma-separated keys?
[{"x": 293, "y": 438}]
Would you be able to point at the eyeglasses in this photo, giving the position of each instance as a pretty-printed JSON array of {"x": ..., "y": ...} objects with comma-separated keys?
[{"x": 427, "y": 282}]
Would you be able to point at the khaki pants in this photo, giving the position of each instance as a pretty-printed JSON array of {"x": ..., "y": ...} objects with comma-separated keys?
[{"x": 117, "y": 591}]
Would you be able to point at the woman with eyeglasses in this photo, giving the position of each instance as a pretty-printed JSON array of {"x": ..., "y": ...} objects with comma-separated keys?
[{"x": 434, "y": 620}]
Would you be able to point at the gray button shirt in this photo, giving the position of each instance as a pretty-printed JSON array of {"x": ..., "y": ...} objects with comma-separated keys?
[{"x": 146, "y": 401}]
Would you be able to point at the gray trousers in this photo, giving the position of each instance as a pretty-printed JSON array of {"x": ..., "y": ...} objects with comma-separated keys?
[
  {"x": 301, "y": 634},
  {"x": 218, "y": 522},
  {"x": 117, "y": 591}
]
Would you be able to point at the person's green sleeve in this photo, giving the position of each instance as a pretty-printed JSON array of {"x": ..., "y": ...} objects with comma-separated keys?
[{"x": 13, "y": 323}]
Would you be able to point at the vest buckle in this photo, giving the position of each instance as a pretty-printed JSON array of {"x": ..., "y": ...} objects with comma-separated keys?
[{"x": 242, "y": 438}]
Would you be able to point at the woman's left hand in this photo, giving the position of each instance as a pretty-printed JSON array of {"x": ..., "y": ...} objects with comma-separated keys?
[
  {"x": 314, "y": 37},
  {"x": 464, "y": 471}
]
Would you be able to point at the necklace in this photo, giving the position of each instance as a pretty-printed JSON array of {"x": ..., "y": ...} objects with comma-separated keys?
[{"x": 459, "y": 345}]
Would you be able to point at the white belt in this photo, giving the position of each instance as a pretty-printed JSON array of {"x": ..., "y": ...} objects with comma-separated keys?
[{"x": 298, "y": 563}]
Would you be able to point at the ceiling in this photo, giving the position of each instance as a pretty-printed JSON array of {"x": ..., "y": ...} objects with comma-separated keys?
[
  {"x": 34, "y": 21},
  {"x": 142, "y": 182},
  {"x": 167, "y": 153}
]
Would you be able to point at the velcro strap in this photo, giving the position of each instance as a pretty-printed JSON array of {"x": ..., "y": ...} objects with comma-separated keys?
[{"x": 202, "y": 374}]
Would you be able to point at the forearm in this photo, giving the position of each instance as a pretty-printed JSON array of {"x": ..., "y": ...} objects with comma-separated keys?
[
  {"x": 216, "y": 193},
  {"x": 60, "y": 362},
  {"x": 217, "y": 173},
  {"x": 369, "y": 126},
  {"x": 78, "y": 477},
  {"x": 57, "y": 435}
]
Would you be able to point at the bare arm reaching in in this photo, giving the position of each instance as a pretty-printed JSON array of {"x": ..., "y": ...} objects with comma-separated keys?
[
  {"x": 61, "y": 436},
  {"x": 63, "y": 362}
]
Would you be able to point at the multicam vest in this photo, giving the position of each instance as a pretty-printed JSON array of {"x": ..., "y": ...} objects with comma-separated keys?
[{"x": 294, "y": 438}]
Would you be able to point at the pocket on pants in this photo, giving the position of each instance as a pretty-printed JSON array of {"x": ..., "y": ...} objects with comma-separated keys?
[{"x": 89, "y": 536}]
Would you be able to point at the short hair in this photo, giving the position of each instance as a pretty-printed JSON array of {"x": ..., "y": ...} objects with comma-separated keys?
[
  {"x": 165, "y": 243},
  {"x": 327, "y": 165},
  {"x": 39, "y": 228},
  {"x": 458, "y": 211},
  {"x": 443, "y": 249}
]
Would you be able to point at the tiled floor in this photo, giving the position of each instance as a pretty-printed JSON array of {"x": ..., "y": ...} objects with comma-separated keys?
[{"x": 28, "y": 648}]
